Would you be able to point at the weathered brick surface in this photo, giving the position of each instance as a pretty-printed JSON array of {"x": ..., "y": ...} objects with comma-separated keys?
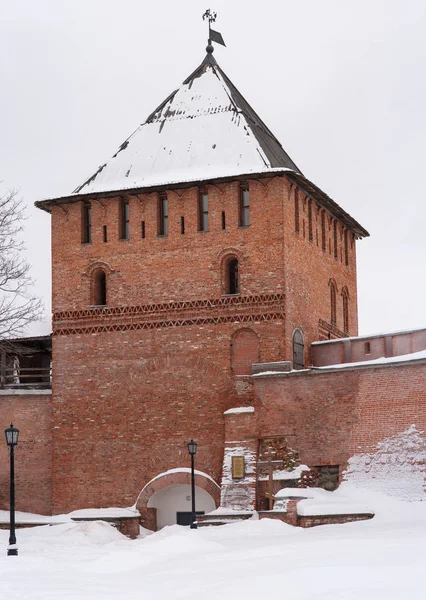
[
  {"x": 125, "y": 402},
  {"x": 329, "y": 417},
  {"x": 32, "y": 415},
  {"x": 368, "y": 348}
]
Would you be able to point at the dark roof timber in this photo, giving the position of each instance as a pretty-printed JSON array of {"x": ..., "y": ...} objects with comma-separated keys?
[{"x": 307, "y": 186}]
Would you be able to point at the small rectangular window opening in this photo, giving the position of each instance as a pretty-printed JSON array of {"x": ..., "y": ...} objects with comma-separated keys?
[
  {"x": 163, "y": 216},
  {"x": 323, "y": 238},
  {"x": 104, "y": 229},
  {"x": 203, "y": 211},
  {"x": 346, "y": 248},
  {"x": 335, "y": 238},
  {"x": 143, "y": 230},
  {"x": 367, "y": 348},
  {"x": 223, "y": 220},
  {"x": 86, "y": 233},
  {"x": 244, "y": 206},
  {"x": 296, "y": 211},
  {"x": 182, "y": 225},
  {"x": 124, "y": 220},
  {"x": 310, "y": 227}
]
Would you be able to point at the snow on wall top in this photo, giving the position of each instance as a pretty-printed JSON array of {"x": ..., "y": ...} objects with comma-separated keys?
[{"x": 205, "y": 129}]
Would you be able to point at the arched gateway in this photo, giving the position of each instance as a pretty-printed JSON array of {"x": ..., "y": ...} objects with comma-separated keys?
[{"x": 166, "y": 499}]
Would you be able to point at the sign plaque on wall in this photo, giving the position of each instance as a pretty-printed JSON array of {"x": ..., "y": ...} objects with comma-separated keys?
[{"x": 238, "y": 471}]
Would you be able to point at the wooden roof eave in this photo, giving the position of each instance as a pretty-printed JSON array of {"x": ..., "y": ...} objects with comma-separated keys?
[{"x": 323, "y": 200}]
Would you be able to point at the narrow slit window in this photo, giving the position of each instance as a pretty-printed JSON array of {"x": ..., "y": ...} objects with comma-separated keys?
[
  {"x": 86, "y": 233},
  {"x": 99, "y": 288},
  {"x": 244, "y": 206},
  {"x": 345, "y": 300},
  {"x": 124, "y": 220},
  {"x": 335, "y": 238},
  {"x": 233, "y": 282},
  {"x": 346, "y": 248},
  {"x": 323, "y": 237},
  {"x": 367, "y": 348},
  {"x": 333, "y": 298},
  {"x": 296, "y": 211},
  {"x": 203, "y": 212},
  {"x": 182, "y": 225},
  {"x": 310, "y": 228},
  {"x": 223, "y": 220},
  {"x": 143, "y": 230},
  {"x": 105, "y": 233},
  {"x": 163, "y": 216}
]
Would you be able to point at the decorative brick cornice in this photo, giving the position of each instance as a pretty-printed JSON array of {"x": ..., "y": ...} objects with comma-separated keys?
[{"x": 228, "y": 309}]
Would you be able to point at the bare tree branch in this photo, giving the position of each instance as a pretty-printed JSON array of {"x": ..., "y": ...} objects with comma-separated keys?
[{"x": 18, "y": 307}]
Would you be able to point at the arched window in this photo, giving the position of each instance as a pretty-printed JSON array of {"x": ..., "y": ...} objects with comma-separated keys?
[
  {"x": 232, "y": 280},
  {"x": 99, "y": 291},
  {"x": 298, "y": 350},
  {"x": 345, "y": 299},
  {"x": 333, "y": 299}
]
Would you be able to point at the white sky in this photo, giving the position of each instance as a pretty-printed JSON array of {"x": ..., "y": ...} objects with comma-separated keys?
[{"x": 341, "y": 84}]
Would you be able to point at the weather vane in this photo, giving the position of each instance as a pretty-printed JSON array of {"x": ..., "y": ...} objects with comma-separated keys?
[{"x": 214, "y": 36}]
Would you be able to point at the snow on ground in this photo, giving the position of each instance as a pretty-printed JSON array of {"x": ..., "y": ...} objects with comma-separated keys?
[
  {"x": 379, "y": 559},
  {"x": 397, "y": 468}
]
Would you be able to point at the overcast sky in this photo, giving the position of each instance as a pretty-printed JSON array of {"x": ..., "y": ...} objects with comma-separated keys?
[{"x": 341, "y": 83}]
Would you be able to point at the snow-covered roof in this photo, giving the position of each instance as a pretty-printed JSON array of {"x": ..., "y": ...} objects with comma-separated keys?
[
  {"x": 204, "y": 128},
  {"x": 205, "y": 131}
]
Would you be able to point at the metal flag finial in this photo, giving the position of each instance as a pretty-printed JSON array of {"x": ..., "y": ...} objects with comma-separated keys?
[{"x": 214, "y": 36}]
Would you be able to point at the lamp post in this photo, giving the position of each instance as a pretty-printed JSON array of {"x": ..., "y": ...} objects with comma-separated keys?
[
  {"x": 12, "y": 441},
  {"x": 192, "y": 449}
]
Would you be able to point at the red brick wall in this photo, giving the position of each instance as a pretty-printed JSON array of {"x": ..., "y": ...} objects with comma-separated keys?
[
  {"x": 308, "y": 271},
  {"x": 329, "y": 417},
  {"x": 368, "y": 348},
  {"x": 132, "y": 386},
  {"x": 31, "y": 414}
]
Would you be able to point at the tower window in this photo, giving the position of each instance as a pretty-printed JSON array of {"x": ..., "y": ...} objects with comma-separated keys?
[
  {"x": 323, "y": 238},
  {"x": 143, "y": 229},
  {"x": 296, "y": 211},
  {"x": 345, "y": 299},
  {"x": 298, "y": 350},
  {"x": 182, "y": 225},
  {"x": 124, "y": 219},
  {"x": 367, "y": 348},
  {"x": 244, "y": 206},
  {"x": 86, "y": 229},
  {"x": 163, "y": 215},
  {"x": 99, "y": 295},
  {"x": 346, "y": 248},
  {"x": 333, "y": 294},
  {"x": 203, "y": 212},
  {"x": 223, "y": 220},
  {"x": 232, "y": 277},
  {"x": 311, "y": 234},
  {"x": 335, "y": 238},
  {"x": 105, "y": 233}
]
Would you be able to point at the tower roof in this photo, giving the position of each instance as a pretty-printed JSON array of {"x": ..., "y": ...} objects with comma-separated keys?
[{"x": 205, "y": 129}]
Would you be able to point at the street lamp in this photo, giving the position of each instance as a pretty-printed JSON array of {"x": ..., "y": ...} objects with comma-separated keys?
[
  {"x": 192, "y": 449},
  {"x": 12, "y": 441}
]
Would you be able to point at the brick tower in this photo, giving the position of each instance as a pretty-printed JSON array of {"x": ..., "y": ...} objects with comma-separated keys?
[{"x": 197, "y": 250}]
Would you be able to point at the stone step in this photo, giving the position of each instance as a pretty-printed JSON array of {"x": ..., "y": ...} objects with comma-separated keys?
[{"x": 222, "y": 519}]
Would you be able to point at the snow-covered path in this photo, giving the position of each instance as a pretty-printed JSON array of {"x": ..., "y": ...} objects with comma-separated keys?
[{"x": 380, "y": 559}]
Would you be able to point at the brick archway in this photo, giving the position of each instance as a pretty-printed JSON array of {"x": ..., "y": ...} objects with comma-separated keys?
[{"x": 176, "y": 476}]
